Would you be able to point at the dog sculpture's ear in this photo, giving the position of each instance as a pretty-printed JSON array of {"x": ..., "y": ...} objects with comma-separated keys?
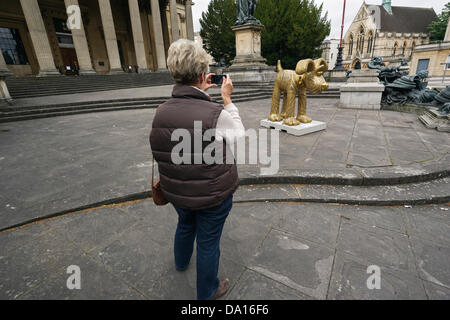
[
  {"x": 304, "y": 66},
  {"x": 321, "y": 66}
]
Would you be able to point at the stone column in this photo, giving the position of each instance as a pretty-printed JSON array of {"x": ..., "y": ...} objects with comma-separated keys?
[
  {"x": 189, "y": 20},
  {"x": 136, "y": 26},
  {"x": 39, "y": 37},
  {"x": 174, "y": 21},
  {"x": 4, "y": 72},
  {"x": 80, "y": 42},
  {"x": 157, "y": 31},
  {"x": 110, "y": 36}
]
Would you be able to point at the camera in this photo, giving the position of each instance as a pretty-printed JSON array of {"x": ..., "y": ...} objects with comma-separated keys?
[{"x": 217, "y": 79}]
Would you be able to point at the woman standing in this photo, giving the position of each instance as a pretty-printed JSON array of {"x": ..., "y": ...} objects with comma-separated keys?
[{"x": 201, "y": 193}]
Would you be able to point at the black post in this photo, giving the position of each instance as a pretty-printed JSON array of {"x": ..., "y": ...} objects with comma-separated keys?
[{"x": 339, "y": 66}]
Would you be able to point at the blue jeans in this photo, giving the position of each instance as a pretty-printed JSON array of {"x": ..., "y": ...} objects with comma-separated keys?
[{"x": 207, "y": 226}]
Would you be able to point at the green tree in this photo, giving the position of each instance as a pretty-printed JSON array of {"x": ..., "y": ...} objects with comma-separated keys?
[
  {"x": 438, "y": 27},
  {"x": 294, "y": 30},
  {"x": 216, "y": 23}
]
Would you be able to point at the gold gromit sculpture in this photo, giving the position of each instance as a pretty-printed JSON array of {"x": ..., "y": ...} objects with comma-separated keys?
[{"x": 308, "y": 76}]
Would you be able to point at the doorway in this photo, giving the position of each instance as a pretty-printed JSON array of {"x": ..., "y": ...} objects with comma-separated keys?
[{"x": 70, "y": 61}]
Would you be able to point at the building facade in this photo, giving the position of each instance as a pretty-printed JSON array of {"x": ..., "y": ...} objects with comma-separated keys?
[
  {"x": 50, "y": 37},
  {"x": 433, "y": 57},
  {"x": 387, "y": 31},
  {"x": 330, "y": 51}
]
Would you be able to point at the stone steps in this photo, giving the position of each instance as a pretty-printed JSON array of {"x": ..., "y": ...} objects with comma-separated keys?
[
  {"x": 429, "y": 192},
  {"x": 28, "y": 113},
  {"x": 30, "y": 87},
  {"x": 432, "y": 119}
]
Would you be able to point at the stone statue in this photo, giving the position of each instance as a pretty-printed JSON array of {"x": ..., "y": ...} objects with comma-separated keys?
[
  {"x": 376, "y": 63},
  {"x": 308, "y": 76},
  {"x": 245, "y": 11},
  {"x": 445, "y": 109}
]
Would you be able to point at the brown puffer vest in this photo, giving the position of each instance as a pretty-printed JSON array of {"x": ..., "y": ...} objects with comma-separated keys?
[{"x": 190, "y": 186}]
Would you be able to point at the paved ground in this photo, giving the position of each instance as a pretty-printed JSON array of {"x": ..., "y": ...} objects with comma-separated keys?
[
  {"x": 55, "y": 164},
  {"x": 269, "y": 251}
]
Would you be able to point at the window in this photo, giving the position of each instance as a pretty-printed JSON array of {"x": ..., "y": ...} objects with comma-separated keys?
[
  {"x": 350, "y": 47},
  {"x": 395, "y": 49},
  {"x": 423, "y": 64},
  {"x": 404, "y": 48},
  {"x": 360, "y": 42},
  {"x": 63, "y": 33},
  {"x": 12, "y": 46},
  {"x": 370, "y": 43}
]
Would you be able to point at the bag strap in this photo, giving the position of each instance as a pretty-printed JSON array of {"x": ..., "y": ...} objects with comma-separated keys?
[{"x": 153, "y": 170}]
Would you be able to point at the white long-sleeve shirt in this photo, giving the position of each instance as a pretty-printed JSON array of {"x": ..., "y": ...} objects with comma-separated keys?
[{"x": 229, "y": 125}]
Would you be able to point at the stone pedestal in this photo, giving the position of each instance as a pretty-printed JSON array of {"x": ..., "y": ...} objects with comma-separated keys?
[
  {"x": 362, "y": 91},
  {"x": 300, "y": 130},
  {"x": 249, "y": 67}
]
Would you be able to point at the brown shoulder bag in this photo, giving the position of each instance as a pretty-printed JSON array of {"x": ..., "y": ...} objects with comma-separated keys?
[{"x": 157, "y": 194}]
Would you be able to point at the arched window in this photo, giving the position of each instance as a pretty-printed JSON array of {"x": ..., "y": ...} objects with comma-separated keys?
[
  {"x": 350, "y": 46},
  {"x": 370, "y": 43},
  {"x": 413, "y": 47},
  {"x": 360, "y": 45},
  {"x": 395, "y": 49},
  {"x": 404, "y": 48}
]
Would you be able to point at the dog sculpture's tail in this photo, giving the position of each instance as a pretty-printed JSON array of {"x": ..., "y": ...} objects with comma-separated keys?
[{"x": 279, "y": 68}]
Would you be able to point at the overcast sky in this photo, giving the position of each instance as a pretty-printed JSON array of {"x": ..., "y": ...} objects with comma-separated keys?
[{"x": 334, "y": 8}]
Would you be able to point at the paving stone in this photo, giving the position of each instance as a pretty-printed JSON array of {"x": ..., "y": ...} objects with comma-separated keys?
[
  {"x": 149, "y": 213},
  {"x": 379, "y": 158},
  {"x": 282, "y": 256},
  {"x": 13, "y": 239},
  {"x": 432, "y": 261},
  {"x": 430, "y": 223},
  {"x": 241, "y": 237},
  {"x": 436, "y": 292},
  {"x": 138, "y": 259},
  {"x": 254, "y": 286},
  {"x": 350, "y": 277},
  {"x": 310, "y": 222},
  {"x": 96, "y": 284},
  {"x": 376, "y": 246},
  {"x": 390, "y": 218},
  {"x": 35, "y": 263},
  {"x": 93, "y": 228},
  {"x": 268, "y": 213}
]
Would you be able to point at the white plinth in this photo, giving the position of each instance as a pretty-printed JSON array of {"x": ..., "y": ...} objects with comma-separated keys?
[{"x": 300, "y": 130}]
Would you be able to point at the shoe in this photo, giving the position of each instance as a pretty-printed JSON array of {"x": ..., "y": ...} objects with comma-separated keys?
[{"x": 224, "y": 285}]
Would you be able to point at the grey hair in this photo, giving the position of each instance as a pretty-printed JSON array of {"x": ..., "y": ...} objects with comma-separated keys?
[{"x": 186, "y": 61}]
